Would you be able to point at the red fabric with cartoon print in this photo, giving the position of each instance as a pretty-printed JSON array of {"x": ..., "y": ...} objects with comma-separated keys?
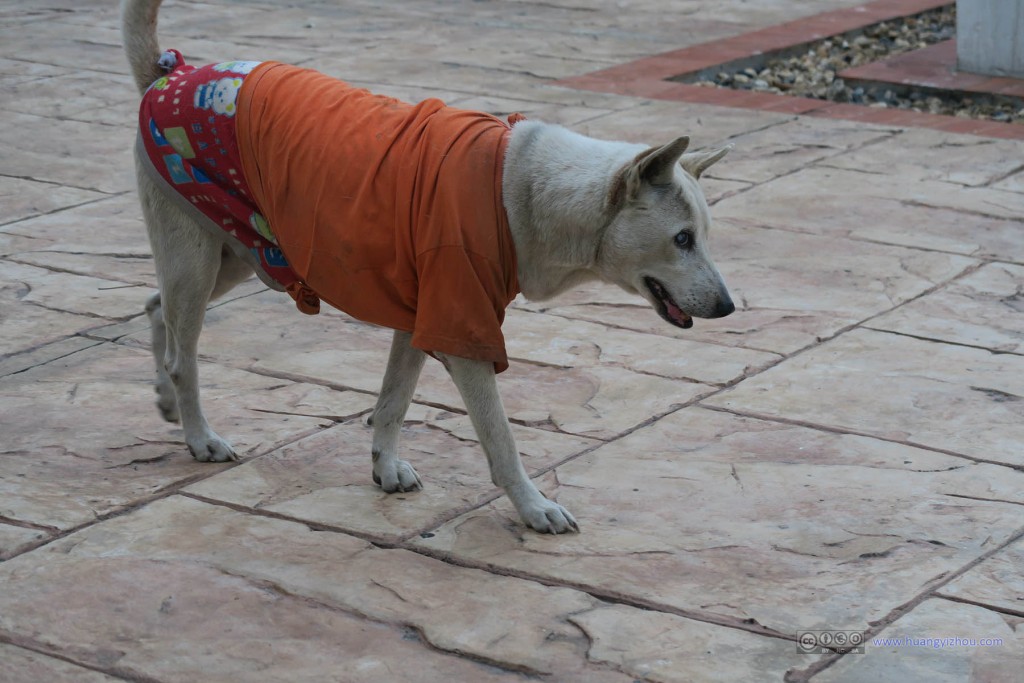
[{"x": 187, "y": 121}]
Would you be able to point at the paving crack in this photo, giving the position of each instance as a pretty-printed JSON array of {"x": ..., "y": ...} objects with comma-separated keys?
[
  {"x": 914, "y": 203},
  {"x": 317, "y": 416},
  {"x": 854, "y": 432},
  {"x": 930, "y": 590},
  {"x": 86, "y": 314},
  {"x": 495, "y": 69},
  {"x": 988, "y": 606},
  {"x": 147, "y": 461},
  {"x": 71, "y": 271},
  {"x": 735, "y": 475},
  {"x": 106, "y": 193},
  {"x": 935, "y": 340},
  {"x": 609, "y": 596},
  {"x": 31, "y": 644},
  {"x": 1004, "y": 176},
  {"x": 12, "y": 521},
  {"x": 77, "y": 205},
  {"x": 38, "y": 347},
  {"x": 279, "y": 590},
  {"x": 173, "y": 488},
  {"x": 982, "y": 498}
]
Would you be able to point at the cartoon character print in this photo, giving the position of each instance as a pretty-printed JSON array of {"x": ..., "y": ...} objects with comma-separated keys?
[
  {"x": 194, "y": 149},
  {"x": 260, "y": 225},
  {"x": 219, "y": 96},
  {"x": 236, "y": 67}
]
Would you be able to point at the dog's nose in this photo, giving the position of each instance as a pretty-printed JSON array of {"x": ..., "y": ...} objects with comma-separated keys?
[{"x": 725, "y": 307}]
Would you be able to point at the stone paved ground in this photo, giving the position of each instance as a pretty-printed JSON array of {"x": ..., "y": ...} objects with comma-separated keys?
[{"x": 844, "y": 452}]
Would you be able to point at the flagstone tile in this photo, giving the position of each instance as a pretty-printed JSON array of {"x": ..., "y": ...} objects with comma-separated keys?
[
  {"x": 110, "y": 227},
  {"x": 139, "y": 326},
  {"x": 132, "y": 270},
  {"x": 14, "y": 539},
  {"x": 82, "y": 155},
  {"x": 941, "y": 396},
  {"x": 83, "y": 438},
  {"x": 926, "y": 154},
  {"x": 12, "y": 244},
  {"x": 655, "y": 646},
  {"x": 40, "y": 355},
  {"x": 600, "y": 402},
  {"x": 717, "y": 189},
  {"x": 194, "y": 624},
  {"x": 881, "y": 208},
  {"x": 27, "y": 322},
  {"x": 181, "y": 590},
  {"x": 326, "y": 478},
  {"x": 657, "y": 122},
  {"x": 17, "y": 71},
  {"x": 737, "y": 518},
  {"x": 557, "y": 341},
  {"x": 597, "y": 401},
  {"x": 781, "y": 149},
  {"x": 22, "y": 198},
  {"x": 914, "y": 655},
  {"x": 74, "y": 94},
  {"x": 99, "y": 299},
  {"x": 981, "y": 309},
  {"x": 97, "y": 46},
  {"x": 447, "y": 81},
  {"x": 26, "y": 666},
  {"x": 266, "y": 333},
  {"x": 998, "y": 582},
  {"x": 502, "y": 107},
  {"x": 791, "y": 290},
  {"x": 1011, "y": 183},
  {"x": 260, "y": 24},
  {"x": 765, "y": 329}
]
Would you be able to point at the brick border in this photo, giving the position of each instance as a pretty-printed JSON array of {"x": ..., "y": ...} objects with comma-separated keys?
[{"x": 647, "y": 77}]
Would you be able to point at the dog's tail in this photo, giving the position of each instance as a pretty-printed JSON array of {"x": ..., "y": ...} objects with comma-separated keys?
[{"x": 138, "y": 31}]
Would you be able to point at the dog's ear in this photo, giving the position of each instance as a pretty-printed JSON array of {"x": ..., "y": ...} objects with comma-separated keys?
[
  {"x": 655, "y": 166},
  {"x": 658, "y": 164},
  {"x": 696, "y": 163}
]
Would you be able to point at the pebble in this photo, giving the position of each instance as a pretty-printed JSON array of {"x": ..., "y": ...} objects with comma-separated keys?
[{"x": 813, "y": 73}]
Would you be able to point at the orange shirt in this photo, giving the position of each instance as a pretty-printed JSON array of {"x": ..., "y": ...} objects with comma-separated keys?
[{"x": 390, "y": 212}]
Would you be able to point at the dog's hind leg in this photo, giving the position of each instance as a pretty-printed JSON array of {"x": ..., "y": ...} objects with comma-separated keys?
[
  {"x": 166, "y": 400},
  {"x": 479, "y": 389},
  {"x": 191, "y": 265},
  {"x": 404, "y": 365},
  {"x": 232, "y": 272}
]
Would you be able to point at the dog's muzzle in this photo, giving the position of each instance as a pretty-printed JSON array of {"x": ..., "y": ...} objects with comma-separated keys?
[{"x": 667, "y": 307}]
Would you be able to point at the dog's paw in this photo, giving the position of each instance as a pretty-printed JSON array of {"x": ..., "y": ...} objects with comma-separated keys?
[
  {"x": 548, "y": 517},
  {"x": 212, "y": 449},
  {"x": 167, "y": 403},
  {"x": 399, "y": 479}
]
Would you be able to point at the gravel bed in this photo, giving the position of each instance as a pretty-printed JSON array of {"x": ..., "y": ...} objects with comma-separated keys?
[{"x": 812, "y": 72}]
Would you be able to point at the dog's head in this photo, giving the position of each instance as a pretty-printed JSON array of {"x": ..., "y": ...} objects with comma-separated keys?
[{"x": 656, "y": 244}]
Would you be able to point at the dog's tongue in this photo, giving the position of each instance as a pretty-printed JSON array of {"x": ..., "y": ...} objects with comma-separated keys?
[{"x": 677, "y": 314}]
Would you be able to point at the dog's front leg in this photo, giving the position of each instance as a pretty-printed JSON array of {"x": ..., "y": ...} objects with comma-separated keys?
[
  {"x": 479, "y": 388},
  {"x": 404, "y": 365}
]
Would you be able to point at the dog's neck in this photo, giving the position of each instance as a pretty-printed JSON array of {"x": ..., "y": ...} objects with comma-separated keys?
[{"x": 556, "y": 186}]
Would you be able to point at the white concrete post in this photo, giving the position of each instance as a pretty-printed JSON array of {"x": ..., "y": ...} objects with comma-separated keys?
[{"x": 990, "y": 37}]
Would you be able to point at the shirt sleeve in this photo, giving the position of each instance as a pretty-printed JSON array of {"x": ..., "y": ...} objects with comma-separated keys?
[{"x": 460, "y": 305}]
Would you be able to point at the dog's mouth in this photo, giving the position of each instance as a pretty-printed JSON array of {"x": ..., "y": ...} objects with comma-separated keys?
[{"x": 667, "y": 308}]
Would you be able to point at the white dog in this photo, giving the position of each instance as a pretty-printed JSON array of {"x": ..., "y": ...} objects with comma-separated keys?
[{"x": 578, "y": 210}]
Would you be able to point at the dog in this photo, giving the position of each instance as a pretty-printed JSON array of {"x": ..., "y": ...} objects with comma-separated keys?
[{"x": 563, "y": 209}]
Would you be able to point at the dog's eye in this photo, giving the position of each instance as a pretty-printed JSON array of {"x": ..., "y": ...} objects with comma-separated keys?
[{"x": 683, "y": 239}]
